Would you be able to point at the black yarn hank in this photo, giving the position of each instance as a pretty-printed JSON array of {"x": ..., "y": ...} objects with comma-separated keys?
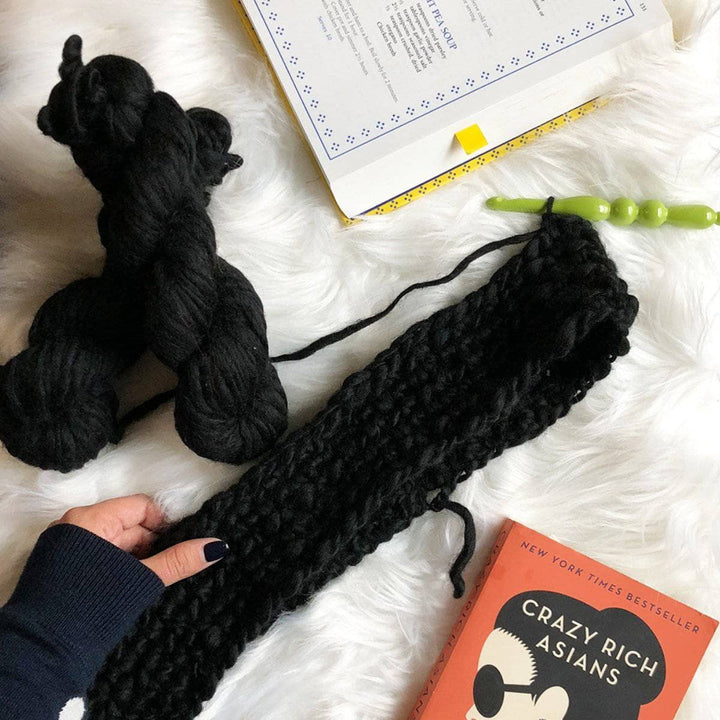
[
  {"x": 451, "y": 393},
  {"x": 163, "y": 286}
]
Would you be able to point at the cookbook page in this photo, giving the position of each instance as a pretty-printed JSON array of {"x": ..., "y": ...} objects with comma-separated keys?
[{"x": 367, "y": 75}]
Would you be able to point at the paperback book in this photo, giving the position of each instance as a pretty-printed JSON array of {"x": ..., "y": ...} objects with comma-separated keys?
[{"x": 550, "y": 633}]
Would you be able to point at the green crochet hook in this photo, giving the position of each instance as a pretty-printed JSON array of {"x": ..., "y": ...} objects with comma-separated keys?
[{"x": 623, "y": 211}]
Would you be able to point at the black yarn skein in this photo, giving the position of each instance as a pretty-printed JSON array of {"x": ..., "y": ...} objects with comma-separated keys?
[
  {"x": 57, "y": 403},
  {"x": 163, "y": 286},
  {"x": 454, "y": 391}
]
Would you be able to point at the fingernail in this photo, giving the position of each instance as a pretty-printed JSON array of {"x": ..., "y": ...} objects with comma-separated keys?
[{"x": 215, "y": 550}]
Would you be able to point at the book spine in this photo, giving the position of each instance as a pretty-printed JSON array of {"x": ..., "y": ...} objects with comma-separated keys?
[
  {"x": 432, "y": 681},
  {"x": 484, "y": 158}
]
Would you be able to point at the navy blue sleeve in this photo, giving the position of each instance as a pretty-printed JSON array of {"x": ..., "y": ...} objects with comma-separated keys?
[{"x": 76, "y": 598}]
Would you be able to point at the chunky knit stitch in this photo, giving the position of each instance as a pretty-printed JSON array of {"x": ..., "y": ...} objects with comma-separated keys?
[
  {"x": 451, "y": 393},
  {"x": 163, "y": 286}
]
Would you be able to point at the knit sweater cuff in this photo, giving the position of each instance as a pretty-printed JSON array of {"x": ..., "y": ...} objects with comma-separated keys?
[{"x": 83, "y": 590}]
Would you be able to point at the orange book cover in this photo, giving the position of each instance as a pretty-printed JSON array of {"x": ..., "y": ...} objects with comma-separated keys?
[{"x": 551, "y": 634}]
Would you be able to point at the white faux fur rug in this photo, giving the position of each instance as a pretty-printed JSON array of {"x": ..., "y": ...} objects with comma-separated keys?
[{"x": 630, "y": 477}]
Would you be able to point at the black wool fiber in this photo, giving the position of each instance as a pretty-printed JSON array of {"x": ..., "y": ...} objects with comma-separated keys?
[
  {"x": 453, "y": 392},
  {"x": 450, "y": 394},
  {"x": 163, "y": 286}
]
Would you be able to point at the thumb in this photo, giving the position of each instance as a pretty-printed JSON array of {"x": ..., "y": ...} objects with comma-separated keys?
[{"x": 186, "y": 558}]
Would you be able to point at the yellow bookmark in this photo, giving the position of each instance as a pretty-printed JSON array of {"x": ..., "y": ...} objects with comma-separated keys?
[{"x": 471, "y": 139}]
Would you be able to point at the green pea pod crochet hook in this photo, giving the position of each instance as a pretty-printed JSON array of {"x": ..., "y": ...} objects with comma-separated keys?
[{"x": 623, "y": 211}]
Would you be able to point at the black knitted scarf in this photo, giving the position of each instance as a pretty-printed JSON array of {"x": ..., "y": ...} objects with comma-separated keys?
[{"x": 451, "y": 393}]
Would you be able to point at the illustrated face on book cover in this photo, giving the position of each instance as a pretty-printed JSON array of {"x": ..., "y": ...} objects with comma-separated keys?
[{"x": 552, "y": 657}]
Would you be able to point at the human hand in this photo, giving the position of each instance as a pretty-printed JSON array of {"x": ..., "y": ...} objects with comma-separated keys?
[{"x": 132, "y": 523}]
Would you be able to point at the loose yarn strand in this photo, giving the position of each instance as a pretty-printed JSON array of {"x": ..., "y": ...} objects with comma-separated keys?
[
  {"x": 345, "y": 332},
  {"x": 442, "y": 502},
  {"x": 144, "y": 409}
]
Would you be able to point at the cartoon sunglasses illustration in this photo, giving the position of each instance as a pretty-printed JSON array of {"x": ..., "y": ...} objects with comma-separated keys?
[
  {"x": 495, "y": 698},
  {"x": 489, "y": 690},
  {"x": 506, "y": 685}
]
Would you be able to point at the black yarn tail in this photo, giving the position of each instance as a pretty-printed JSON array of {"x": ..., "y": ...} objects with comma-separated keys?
[
  {"x": 139, "y": 412},
  {"x": 338, "y": 335},
  {"x": 442, "y": 502}
]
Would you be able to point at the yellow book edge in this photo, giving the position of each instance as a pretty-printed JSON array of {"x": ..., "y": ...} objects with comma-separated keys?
[{"x": 421, "y": 190}]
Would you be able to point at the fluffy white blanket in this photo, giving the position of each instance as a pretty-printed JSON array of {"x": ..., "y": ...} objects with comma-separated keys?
[{"x": 630, "y": 477}]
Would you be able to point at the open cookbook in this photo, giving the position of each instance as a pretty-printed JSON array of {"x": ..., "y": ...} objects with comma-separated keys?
[{"x": 397, "y": 97}]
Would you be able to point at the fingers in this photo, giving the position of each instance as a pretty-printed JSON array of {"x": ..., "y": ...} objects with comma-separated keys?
[
  {"x": 186, "y": 558},
  {"x": 112, "y": 518},
  {"x": 132, "y": 523},
  {"x": 138, "y": 541}
]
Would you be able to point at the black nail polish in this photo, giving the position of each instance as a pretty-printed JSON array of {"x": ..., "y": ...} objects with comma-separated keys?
[{"x": 215, "y": 550}]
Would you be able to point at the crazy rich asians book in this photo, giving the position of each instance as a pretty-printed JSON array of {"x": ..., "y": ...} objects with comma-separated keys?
[{"x": 549, "y": 633}]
